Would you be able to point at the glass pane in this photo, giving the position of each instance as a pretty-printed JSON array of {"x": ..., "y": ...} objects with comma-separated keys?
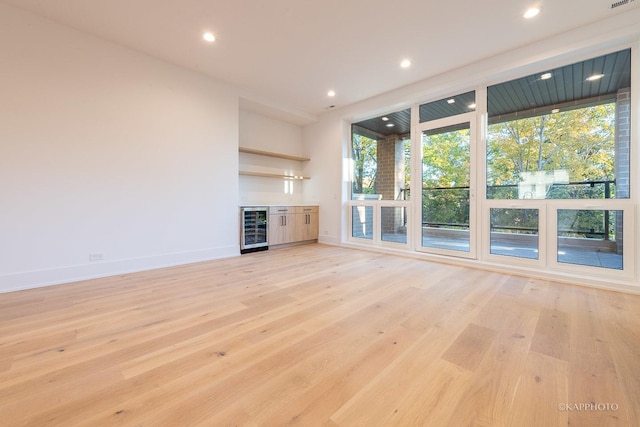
[
  {"x": 445, "y": 188},
  {"x": 514, "y": 232},
  {"x": 362, "y": 222},
  {"x": 394, "y": 224},
  {"x": 590, "y": 237},
  {"x": 381, "y": 157},
  {"x": 364, "y": 153},
  {"x": 562, "y": 134},
  {"x": 447, "y": 107}
]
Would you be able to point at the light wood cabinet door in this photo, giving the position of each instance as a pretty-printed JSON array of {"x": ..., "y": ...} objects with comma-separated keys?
[
  {"x": 306, "y": 223},
  {"x": 282, "y": 225}
]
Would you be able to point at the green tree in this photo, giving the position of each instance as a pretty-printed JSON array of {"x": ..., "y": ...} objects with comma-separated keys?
[
  {"x": 580, "y": 141},
  {"x": 446, "y": 159},
  {"x": 445, "y": 177},
  {"x": 365, "y": 159}
]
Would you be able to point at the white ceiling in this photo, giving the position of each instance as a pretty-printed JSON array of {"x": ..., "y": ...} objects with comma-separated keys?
[{"x": 289, "y": 53}]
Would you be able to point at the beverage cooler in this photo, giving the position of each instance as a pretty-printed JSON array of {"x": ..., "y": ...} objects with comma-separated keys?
[{"x": 254, "y": 229}]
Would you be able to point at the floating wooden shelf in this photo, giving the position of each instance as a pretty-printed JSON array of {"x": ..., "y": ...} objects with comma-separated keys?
[
  {"x": 272, "y": 175},
  {"x": 272, "y": 154}
]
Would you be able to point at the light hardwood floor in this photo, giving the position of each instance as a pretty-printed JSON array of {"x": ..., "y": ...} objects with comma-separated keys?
[{"x": 319, "y": 336}]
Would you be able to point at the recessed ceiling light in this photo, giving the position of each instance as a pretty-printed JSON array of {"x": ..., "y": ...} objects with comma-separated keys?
[
  {"x": 555, "y": 110},
  {"x": 331, "y": 93},
  {"x": 472, "y": 106},
  {"x": 405, "y": 63},
  {"x": 595, "y": 77},
  {"x": 390, "y": 125},
  {"x": 385, "y": 119},
  {"x": 451, "y": 101},
  {"x": 209, "y": 37},
  {"x": 546, "y": 76},
  {"x": 531, "y": 12}
]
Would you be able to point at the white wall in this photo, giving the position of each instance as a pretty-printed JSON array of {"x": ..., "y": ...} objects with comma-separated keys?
[
  {"x": 327, "y": 140},
  {"x": 266, "y": 133},
  {"x": 323, "y": 143},
  {"x": 261, "y": 132},
  {"x": 107, "y": 151}
]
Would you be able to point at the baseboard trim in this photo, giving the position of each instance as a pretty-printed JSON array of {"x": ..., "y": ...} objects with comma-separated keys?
[{"x": 49, "y": 277}]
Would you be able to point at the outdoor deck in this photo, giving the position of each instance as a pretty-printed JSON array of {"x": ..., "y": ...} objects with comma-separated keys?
[{"x": 579, "y": 252}]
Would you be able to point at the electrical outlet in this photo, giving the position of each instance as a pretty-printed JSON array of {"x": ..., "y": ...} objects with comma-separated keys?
[{"x": 96, "y": 257}]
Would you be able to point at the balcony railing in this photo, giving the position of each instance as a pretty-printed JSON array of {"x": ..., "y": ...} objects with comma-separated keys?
[
  {"x": 557, "y": 189},
  {"x": 604, "y": 189}
]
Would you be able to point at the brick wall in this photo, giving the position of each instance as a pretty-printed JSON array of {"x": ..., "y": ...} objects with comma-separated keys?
[
  {"x": 386, "y": 181},
  {"x": 390, "y": 178},
  {"x": 623, "y": 152}
]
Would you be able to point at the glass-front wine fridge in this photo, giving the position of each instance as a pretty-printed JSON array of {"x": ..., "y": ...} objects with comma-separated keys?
[{"x": 254, "y": 229}]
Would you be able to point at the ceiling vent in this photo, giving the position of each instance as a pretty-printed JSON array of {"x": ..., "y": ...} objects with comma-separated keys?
[{"x": 621, "y": 3}]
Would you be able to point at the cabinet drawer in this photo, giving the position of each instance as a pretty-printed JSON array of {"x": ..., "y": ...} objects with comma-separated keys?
[
  {"x": 305, "y": 209},
  {"x": 281, "y": 210}
]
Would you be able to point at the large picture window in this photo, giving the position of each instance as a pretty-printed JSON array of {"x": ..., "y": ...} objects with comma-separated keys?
[
  {"x": 563, "y": 133},
  {"x": 381, "y": 156},
  {"x": 380, "y": 179}
]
